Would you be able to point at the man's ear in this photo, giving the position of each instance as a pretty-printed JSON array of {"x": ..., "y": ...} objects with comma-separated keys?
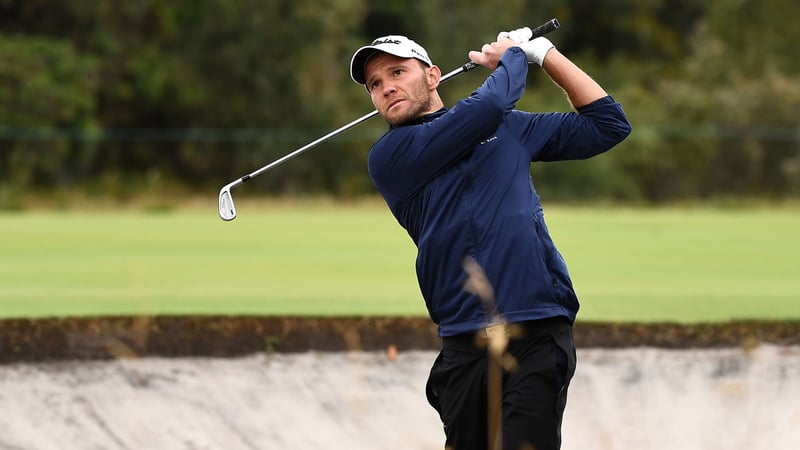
[{"x": 434, "y": 76}]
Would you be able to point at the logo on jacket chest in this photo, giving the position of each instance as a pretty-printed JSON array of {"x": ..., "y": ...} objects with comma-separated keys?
[{"x": 486, "y": 141}]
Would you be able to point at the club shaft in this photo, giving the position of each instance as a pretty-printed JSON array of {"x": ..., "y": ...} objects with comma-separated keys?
[
  {"x": 308, "y": 146},
  {"x": 342, "y": 129},
  {"x": 541, "y": 30}
]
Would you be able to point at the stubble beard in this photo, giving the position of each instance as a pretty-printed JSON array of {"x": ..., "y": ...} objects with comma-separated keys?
[{"x": 420, "y": 100}]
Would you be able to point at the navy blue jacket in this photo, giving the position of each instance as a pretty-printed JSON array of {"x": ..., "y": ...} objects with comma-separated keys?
[{"x": 459, "y": 182}]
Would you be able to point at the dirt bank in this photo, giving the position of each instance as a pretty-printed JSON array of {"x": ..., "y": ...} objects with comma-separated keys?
[{"x": 102, "y": 338}]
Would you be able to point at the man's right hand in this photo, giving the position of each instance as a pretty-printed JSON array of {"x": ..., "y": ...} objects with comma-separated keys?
[{"x": 490, "y": 54}]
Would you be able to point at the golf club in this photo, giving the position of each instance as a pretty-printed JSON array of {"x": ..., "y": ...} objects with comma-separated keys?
[{"x": 227, "y": 210}]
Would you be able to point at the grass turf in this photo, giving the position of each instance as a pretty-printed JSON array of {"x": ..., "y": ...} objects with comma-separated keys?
[{"x": 687, "y": 265}]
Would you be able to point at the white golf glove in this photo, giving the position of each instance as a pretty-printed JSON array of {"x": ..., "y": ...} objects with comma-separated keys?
[
  {"x": 520, "y": 35},
  {"x": 535, "y": 50}
]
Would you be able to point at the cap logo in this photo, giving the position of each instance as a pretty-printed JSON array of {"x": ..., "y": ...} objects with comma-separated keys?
[
  {"x": 385, "y": 41},
  {"x": 425, "y": 57}
]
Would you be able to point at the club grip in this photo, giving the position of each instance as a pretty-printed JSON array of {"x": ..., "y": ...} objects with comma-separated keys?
[{"x": 547, "y": 27}]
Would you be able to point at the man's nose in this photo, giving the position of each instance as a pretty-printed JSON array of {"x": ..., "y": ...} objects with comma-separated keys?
[{"x": 389, "y": 88}]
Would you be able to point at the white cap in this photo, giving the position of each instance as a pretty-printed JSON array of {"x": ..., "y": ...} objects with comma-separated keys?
[{"x": 394, "y": 45}]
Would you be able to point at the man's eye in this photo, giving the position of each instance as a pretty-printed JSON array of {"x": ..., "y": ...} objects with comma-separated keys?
[
  {"x": 373, "y": 85},
  {"x": 398, "y": 72}
]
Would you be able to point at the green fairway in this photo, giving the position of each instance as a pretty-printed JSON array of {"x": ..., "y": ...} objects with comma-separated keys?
[
  {"x": 336, "y": 259},
  {"x": 685, "y": 265}
]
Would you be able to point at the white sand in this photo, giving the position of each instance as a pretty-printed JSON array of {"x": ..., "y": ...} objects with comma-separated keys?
[{"x": 620, "y": 399}]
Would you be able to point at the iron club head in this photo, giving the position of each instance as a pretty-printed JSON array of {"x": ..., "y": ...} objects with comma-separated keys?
[{"x": 227, "y": 211}]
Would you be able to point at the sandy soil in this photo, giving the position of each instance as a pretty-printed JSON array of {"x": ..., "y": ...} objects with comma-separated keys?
[{"x": 633, "y": 398}]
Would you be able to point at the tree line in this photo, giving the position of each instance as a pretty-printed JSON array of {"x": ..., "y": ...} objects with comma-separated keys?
[{"x": 120, "y": 97}]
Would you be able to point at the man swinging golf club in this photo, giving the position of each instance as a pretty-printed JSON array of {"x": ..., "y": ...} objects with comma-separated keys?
[{"x": 458, "y": 180}]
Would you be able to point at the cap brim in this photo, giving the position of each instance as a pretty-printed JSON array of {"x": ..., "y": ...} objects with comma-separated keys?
[{"x": 359, "y": 61}]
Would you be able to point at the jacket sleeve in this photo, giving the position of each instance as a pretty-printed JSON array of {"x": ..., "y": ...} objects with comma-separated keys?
[
  {"x": 593, "y": 129},
  {"x": 408, "y": 157}
]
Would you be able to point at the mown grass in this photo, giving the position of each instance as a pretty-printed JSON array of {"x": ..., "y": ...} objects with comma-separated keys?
[{"x": 675, "y": 264}]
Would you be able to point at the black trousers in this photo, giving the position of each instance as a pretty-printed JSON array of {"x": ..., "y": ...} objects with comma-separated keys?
[{"x": 534, "y": 393}]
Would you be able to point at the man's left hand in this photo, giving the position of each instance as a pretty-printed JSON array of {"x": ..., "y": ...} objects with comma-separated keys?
[
  {"x": 535, "y": 49},
  {"x": 520, "y": 35}
]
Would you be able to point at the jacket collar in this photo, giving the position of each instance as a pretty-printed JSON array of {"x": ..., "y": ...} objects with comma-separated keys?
[{"x": 423, "y": 119}]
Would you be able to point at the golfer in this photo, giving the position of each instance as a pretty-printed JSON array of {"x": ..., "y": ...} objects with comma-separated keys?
[{"x": 458, "y": 180}]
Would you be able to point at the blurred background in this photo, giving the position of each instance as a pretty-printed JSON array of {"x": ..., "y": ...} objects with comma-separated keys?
[
  {"x": 116, "y": 100},
  {"x": 124, "y": 103}
]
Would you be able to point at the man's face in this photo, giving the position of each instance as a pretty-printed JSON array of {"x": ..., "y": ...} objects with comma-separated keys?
[{"x": 401, "y": 88}]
